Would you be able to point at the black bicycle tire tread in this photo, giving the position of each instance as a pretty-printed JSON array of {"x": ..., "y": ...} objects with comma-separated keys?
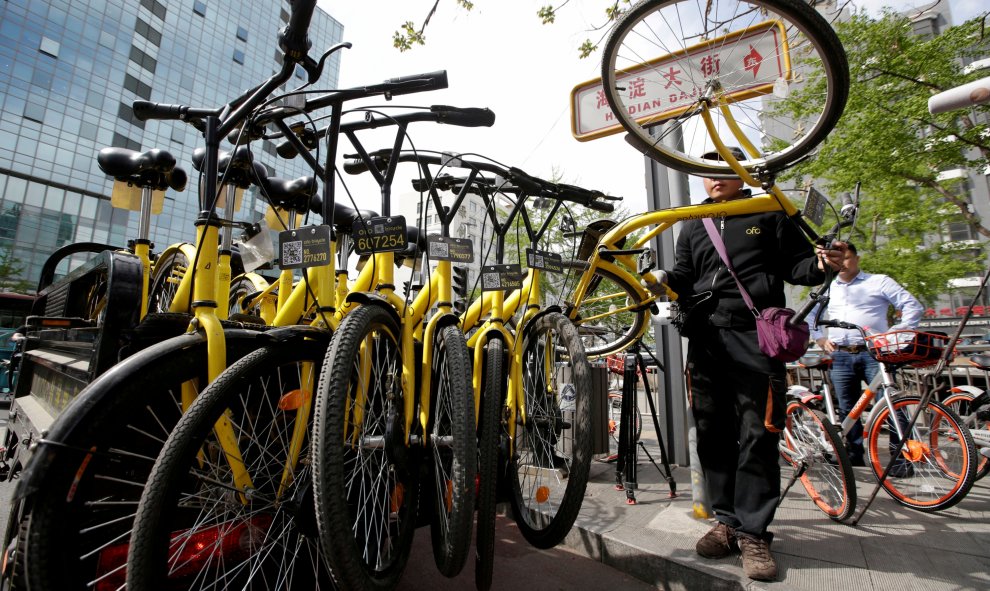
[
  {"x": 969, "y": 475},
  {"x": 570, "y": 505},
  {"x": 331, "y": 513},
  {"x": 159, "y": 268},
  {"x": 451, "y": 552},
  {"x": 982, "y": 463},
  {"x": 171, "y": 467},
  {"x": 845, "y": 465},
  {"x": 488, "y": 445},
  {"x": 831, "y": 48}
]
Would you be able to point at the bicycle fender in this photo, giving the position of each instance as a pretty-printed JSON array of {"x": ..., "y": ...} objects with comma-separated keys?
[
  {"x": 546, "y": 311},
  {"x": 373, "y": 299},
  {"x": 448, "y": 319},
  {"x": 972, "y": 390},
  {"x": 803, "y": 394},
  {"x": 99, "y": 394}
]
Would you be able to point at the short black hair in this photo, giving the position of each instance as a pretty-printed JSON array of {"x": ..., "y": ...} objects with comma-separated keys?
[{"x": 852, "y": 248}]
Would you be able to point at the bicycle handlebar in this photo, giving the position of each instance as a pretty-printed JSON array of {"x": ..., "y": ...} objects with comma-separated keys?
[
  {"x": 294, "y": 38},
  {"x": 443, "y": 114}
]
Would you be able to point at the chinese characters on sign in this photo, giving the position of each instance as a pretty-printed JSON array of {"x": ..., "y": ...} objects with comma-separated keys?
[{"x": 745, "y": 64}]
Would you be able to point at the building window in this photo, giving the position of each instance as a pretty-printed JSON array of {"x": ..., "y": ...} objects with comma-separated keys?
[
  {"x": 146, "y": 31},
  {"x": 239, "y": 56},
  {"x": 278, "y": 57},
  {"x": 127, "y": 114},
  {"x": 143, "y": 59},
  {"x": 282, "y": 14},
  {"x": 49, "y": 47},
  {"x": 137, "y": 87},
  {"x": 122, "y": 141},
  {"x": 177, "y": 135},
  {"x": 34, "y": 112},
  {"x": 199, "y": 8},
  {"x": 242, "y": 33},
  {"x": 155, "y": 7},
  {"x": 300, "y": 72}
]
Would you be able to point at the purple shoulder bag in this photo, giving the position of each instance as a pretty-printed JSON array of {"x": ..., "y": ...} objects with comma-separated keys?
[{"x": 778, "y": 339}]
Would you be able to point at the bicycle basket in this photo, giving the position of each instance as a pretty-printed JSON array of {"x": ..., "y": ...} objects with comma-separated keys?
[{"x": 907, "y": 347}]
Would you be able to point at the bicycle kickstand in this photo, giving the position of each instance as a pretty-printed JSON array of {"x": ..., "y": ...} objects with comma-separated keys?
[{"x": 798, "y": 473}]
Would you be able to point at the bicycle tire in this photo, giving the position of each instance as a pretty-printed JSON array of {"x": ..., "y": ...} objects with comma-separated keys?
[
  {"x": 168, "y": 270},
  {"x": 647, "y": 31},
  {"x": 551, "y": 456},
  {"x": 828, "y": 476},
  {"x": 192, "y": 530},
  {"x": 103, "y": 487},
  {"x": 609, "y": 334},
  {"x": 241, "y": 286},
  {"x": 959, "y": 403},
  {"x": 615, "y": 423},
  {"x": 355, "y": 444},
  {"x": 940, "y": 456},
  {"x": 452, "y": 444},
  {"x": 489, "y": 430}
]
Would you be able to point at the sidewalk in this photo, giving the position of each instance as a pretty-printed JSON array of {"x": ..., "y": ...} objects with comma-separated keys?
[{"x": 892, "y": 547}]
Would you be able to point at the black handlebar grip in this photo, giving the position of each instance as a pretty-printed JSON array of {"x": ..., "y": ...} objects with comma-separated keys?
[
  {"x": 417, "y": 83},
  {"x": 145, "y": 110},
  {"x": 355, "y": 166},
  {"x": 601, "y": 206},
  {"x": 468, "y": 117},
  {"x": 294, "y": 39}
]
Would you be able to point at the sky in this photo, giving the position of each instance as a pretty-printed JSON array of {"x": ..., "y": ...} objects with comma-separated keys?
[{"x": 500, "y": 56}]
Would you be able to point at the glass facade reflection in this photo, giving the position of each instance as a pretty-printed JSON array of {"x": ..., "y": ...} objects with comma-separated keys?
[{"x": 69, "y": 71}]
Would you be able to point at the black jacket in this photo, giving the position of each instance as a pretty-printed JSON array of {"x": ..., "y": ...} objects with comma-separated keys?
[{"x": 766, "y": 250}]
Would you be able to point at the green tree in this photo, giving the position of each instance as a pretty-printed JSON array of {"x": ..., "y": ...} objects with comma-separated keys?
[
  {"x": 408, "y": 35},
  {"x": 889, "y": 142},
  {"x": 11, "y": 273}
]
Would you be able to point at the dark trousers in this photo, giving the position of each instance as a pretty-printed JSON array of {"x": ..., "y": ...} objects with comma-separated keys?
[
  {"x": 737, "y": 398},
  {"x": 849, "y": 370}
]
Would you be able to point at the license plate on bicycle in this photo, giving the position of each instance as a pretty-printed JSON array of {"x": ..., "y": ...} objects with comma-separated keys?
[{"x": 379, "y": 234}]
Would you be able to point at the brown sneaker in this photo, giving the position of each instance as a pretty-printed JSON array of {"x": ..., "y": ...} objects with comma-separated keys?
[
  {"x": 717, "y": 543},
  {"x": 758, "y": 562}
]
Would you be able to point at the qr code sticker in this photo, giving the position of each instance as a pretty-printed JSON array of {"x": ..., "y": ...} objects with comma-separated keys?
[
  {"x": 292, "y": 253},
  {"x": 491, "y": 281},
  {"x": 379, "y": 229},
  {"x": 538, "y": 261},
  {"x": 439, "y": 249}
]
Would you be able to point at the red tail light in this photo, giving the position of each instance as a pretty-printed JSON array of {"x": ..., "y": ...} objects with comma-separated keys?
[{"x": 231, "y": 541}]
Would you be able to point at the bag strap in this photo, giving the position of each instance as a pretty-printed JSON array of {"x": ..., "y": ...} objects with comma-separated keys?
[{"x": 720, "y": 248}]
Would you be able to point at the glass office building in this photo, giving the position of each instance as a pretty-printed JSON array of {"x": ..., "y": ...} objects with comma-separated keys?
[{"x": 69, "y": 71}]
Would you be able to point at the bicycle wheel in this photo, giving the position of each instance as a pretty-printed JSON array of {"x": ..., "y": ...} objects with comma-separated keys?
[
  {"x": 168, "y": 271},
  {"x": 452, "y": 445},
  {"x": 367, "y": 478},
  {"x": 84, "y": 509},
  {"x": 241, "y": 286},
  {"x": 777, "y": 63},
  {"x": 937, "y": 465},
  {"x": 960, "y": 402},
  {"x": 212, "y": 519},
  {"x": 611, "y": 316},
  {"x": 615, "y": 422},
  {"x": 489, "y": 428},
  {"x": 551, "y": 452},
  {"x": 812, "y": 442}
]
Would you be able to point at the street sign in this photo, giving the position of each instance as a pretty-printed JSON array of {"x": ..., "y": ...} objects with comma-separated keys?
[{"x": 747, "y": 63}]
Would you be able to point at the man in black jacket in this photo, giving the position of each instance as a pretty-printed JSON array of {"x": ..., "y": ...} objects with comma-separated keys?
[{"x": 736, "y": 391}]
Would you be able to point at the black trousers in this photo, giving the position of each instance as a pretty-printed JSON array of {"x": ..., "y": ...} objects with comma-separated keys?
[{"x": 737, "y": 397}]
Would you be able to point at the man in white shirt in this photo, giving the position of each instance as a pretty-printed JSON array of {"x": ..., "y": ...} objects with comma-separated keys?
[{"x": 860, "y": 298}]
